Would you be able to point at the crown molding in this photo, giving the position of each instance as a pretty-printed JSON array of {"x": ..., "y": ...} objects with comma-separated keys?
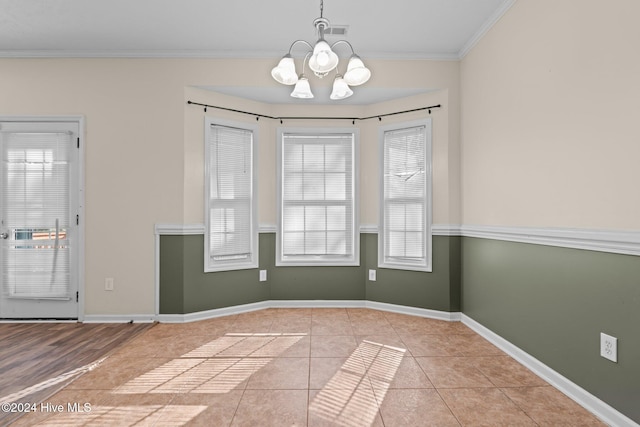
[
  {"x": 204, "y": 54},
  {"x": 484, "y": 29}
]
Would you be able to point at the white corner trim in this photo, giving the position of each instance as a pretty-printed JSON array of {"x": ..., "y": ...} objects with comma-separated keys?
[
  {"x": 445, "y": 230},
  {"x": 594, "y": 405},
  {"x": 486, "y": 26},
  {"x": 369, "y": 228},
  {"x": 179, "y": 229},
  {"x": 267, "y": 228},
  {"x": 613, "y": 241}
]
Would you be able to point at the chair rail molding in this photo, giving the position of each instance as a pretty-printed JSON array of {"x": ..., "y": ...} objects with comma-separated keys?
[{"x": 625, "y": 242}]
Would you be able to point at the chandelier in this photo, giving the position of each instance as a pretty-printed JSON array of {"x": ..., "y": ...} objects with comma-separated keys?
[{"x": 322, "y": 60}]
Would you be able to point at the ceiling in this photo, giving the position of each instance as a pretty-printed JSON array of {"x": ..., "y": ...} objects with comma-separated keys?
[{"x": 402, "y": 29}]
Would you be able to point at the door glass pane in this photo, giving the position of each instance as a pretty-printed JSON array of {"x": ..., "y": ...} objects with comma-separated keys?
[{"x": 36, "y": 214}]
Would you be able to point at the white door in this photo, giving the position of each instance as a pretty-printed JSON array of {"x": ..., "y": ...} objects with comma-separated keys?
[{"x": 39, "y": 224}]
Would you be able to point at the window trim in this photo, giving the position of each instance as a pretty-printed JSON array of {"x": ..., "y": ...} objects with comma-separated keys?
[
  {"x": 427, "y": 264},
  {"x": 209, "y": 265},
  {"x": 314, "y": 260}
]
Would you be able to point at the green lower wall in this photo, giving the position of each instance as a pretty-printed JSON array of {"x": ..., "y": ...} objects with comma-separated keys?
[
  {"x": 438, "y": 290},
  {"x": 553, "y": 303},
  {"x": 171, "y": 271},
  {"x": 185, "y": 288}
]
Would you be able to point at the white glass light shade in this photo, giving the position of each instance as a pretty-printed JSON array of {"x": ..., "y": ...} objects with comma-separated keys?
[
  {"x": 340, "y": 89},
  {"x": 357, "y": 73},
  {"x": 302, "y": 89},
  {"x": 323, "y": 59},
  {"x": 285, "y": 71}
]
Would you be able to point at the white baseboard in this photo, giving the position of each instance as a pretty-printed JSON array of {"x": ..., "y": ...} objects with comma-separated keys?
[
  {"x": 414, "y": 311},
  {"x": 213, "y": 313},
  {"x": 317, "y": 303},
  {"x": 245, "y": 308},
  {"x": 119, "y": 318},
  {"x": 590, "y": 402}
]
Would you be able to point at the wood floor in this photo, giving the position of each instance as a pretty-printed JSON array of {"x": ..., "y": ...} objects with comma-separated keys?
[{"x": 37, "y": 359}]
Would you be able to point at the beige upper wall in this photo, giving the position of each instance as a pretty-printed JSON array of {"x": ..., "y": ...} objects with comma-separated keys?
[
  {"x": 133, "y": 161},
  {"x": 144, "y": 148},
  {"x": 550, "y": 110},
  {"x": 443, "y": 192}
]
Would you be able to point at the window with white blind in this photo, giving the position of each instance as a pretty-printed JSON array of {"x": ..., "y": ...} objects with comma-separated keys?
[
  {"x": 404, "y": 241},
  {"x": 317, "y": 189},
  {"x": 231, "y": 232}
]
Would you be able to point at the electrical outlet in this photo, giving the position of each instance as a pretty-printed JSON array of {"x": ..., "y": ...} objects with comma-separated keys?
[
  {"x": 609, "y": 347},
  {"x": 263, "y": 275},
  {"x": 108, "y": 284},
  {"x": 372, "y": 275}
]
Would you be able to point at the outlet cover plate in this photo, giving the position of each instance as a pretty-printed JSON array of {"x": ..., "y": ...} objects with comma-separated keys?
[{"x": 609, "y": 347}]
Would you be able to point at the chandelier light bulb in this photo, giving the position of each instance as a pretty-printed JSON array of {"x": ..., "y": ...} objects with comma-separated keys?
[
  {"x": 302, "y": 89},
  {"x": 285, "y": 71},
  {"x": 340, "y": 89},
  {"x": 323, "y": 59},
  {"x": 357, "y": 73}
]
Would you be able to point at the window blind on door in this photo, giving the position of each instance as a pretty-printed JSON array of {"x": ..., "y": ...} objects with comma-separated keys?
[
  {"x": 231, "y": 226},
  {"x": 36, "y": 204}
]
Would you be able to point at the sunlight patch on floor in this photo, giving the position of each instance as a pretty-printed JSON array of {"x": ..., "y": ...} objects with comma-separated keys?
[
  {"x": 152, "y": 415},
  {"x": 348, "y": 399},
  {"x": 218, "y": 366},
  {"x": 51, "y": 382}
]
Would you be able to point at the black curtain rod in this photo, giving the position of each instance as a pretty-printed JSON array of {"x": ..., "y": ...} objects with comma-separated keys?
[{"x": 353, "y": 119}]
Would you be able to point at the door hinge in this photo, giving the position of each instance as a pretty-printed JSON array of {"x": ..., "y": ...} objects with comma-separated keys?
[
  {"x": 77, "y": 295},
  {"x": 77, "y": 219},
  {"x": 78, "y": 139}
]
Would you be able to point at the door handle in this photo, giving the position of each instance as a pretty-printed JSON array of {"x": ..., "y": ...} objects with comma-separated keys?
[{"x": 4, "y": 235}]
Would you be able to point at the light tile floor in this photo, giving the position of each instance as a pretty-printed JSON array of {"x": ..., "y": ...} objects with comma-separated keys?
[{"x": 310, "y": 367}]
